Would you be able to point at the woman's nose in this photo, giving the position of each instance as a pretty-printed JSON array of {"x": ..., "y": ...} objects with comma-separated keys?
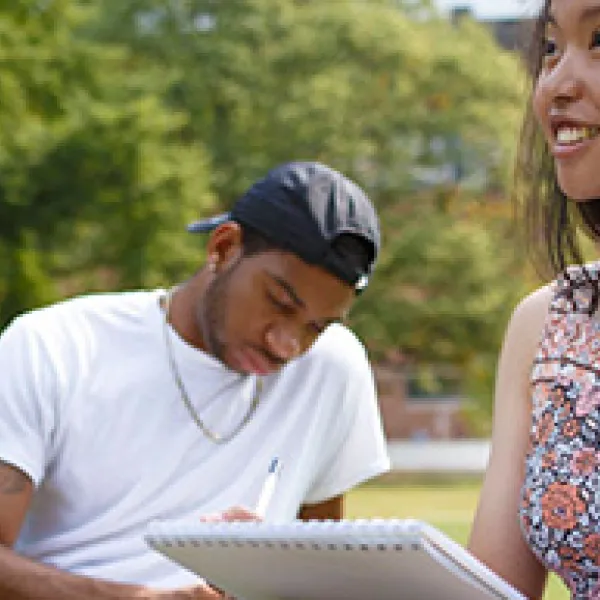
[
  {"x": 565, "y": 81},
  {"x": 283, "y": 342}
]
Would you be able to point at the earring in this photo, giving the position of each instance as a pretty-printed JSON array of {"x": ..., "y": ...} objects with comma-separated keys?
[{"x": 212, "y": 263}]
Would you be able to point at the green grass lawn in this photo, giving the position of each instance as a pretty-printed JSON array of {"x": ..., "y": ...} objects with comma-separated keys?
[{"x": 449, "y": 506}]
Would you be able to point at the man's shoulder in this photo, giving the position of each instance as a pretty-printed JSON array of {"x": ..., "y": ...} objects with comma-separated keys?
[
  {"x": 89, "y": 303},
  {"x": 338, "y": 347},
  {"x": 106, "y": 299},
  {"x": 338, "y": 336},
  {"x": 79, "y": 311}
]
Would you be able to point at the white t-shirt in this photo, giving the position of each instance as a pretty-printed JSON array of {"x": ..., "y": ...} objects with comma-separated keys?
[{"x": 89, "y": 409}]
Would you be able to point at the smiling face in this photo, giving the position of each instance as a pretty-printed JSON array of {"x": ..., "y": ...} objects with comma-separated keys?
[
  {"x": 567, "y": 95},
  {"x": 260, "y": 311}
]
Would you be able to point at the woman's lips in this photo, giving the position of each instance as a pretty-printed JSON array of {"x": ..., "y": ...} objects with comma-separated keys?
[
  {"x": 563, "y": 151},
  {"x": 570, "y": 136}
]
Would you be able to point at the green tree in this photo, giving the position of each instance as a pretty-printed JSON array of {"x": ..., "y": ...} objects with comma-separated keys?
[
  {"x": 362, "y": 85},
  {"x": 422, "y": 112},
  {"x": 94, "y": 174},
  {"x": 442, "y": 294},
  {"x": 124, "y": 116}
]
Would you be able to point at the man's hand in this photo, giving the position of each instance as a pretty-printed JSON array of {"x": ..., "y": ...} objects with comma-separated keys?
[
  {"x": 197, "y": 592},
  {"x": 235, "y": 513}
]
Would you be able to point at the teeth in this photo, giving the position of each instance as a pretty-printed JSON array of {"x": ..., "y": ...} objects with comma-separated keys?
[{"x": 573, "y": 135}]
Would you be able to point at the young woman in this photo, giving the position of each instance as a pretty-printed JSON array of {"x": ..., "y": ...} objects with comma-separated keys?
[{"x": 539, "y": 509}]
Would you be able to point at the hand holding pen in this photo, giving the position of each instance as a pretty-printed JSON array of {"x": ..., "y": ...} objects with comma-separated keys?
[
  {"x": 239, "y": 513},
  {"x": 268, "y": 488}
]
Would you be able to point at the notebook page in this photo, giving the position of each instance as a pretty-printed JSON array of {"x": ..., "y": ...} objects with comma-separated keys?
[
  {"x": 465, "y": 564},
  {"x": 383, "y": 559}
]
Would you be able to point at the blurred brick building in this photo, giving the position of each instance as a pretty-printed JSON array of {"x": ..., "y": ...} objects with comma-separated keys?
[{"x": 414, "y": 411}]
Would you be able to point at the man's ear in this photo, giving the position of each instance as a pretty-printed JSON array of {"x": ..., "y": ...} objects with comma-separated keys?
[{"x": 225, "y": 244}]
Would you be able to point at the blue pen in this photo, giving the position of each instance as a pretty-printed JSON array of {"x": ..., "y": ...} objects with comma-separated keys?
[{"x": 268, "y": 487}]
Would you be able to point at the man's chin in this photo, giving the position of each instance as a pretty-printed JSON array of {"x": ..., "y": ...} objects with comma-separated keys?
[
  {"x": 251, "y": 361},
  {"x": 229, "y": 361},
  {"x": 220, "y": 353}
]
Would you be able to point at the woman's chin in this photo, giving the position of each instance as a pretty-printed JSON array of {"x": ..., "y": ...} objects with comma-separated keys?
[
  {"x": 584, "y": 199},
  {"x": 576, "y": 192}
]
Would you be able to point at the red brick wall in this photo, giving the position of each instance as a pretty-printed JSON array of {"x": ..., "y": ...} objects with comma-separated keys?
[{"x": 406, "y": 418}]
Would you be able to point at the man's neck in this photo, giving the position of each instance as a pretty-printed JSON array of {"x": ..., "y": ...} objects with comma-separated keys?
[{"x": 182, "y": 310}]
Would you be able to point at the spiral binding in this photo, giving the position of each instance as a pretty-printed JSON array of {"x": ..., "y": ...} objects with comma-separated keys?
[{"x": 366, "y": 535}]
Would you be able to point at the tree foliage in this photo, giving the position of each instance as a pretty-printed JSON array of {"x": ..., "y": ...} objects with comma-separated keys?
[
  {"x": 360, "y": 85},
  {"x": 127, "y": 119},
  {"x": 421, "y": 111},
  {"x": 93, "y": 169}
]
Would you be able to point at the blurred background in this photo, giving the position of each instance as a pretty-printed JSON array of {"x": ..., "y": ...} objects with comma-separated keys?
[{"x": 123, "y": 120}]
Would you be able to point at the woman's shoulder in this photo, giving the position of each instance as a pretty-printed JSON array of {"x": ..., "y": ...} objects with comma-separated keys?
[
  {"x": 535, "y": 305},
  {"x": 527, "y": 322}
]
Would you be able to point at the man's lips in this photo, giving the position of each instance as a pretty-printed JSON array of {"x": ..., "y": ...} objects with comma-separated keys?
[{"x": 252, "y": 360}]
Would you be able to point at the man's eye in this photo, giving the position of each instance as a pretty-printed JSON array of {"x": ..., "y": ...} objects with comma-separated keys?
[{"x": 280, "y": 304}]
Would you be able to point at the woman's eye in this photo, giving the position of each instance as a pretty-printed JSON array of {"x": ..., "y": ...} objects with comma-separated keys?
[
  {"x": 549, "y": 47},
  {"x": 596, "y": 39}
]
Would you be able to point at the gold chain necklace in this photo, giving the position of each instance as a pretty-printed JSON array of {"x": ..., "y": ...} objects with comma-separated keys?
[{"x": 217, "y": 438}]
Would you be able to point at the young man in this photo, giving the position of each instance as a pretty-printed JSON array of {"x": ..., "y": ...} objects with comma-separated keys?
[{"x": 119, "y": 409}]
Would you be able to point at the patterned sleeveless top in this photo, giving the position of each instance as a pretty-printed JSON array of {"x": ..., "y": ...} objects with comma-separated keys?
[{"x": 560, "y": 501}]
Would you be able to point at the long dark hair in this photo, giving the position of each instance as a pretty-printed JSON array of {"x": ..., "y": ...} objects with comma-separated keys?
[{"x": 550, "y": 220}]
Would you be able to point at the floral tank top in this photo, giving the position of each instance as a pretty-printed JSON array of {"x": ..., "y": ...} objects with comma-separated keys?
[{"x": 560, "y": 502}]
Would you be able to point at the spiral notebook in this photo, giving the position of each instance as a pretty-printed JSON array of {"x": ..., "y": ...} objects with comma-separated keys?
[{"x": 384, "y": 559}]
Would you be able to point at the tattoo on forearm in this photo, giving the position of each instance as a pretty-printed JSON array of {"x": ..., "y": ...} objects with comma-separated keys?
[{"x": 12, "y": 481}]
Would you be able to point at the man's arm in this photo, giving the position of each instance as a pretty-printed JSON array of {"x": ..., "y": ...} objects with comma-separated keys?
[
  {"x": 16, "y": 490},
  {"x": 330, "y": 509},
  {"x": 24, "y": 579}
]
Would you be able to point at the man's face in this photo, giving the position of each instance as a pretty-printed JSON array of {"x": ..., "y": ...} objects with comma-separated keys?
[{"x": 263, "y": 310}]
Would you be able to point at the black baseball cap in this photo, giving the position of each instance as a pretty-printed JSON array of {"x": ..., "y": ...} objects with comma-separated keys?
[{"x": 303, "y": 207}]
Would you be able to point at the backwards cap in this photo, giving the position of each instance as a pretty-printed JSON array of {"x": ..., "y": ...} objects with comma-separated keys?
[{"x": 303, "y": 207}]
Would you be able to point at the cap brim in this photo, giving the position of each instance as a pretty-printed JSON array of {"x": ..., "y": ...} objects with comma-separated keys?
[{"x": 206, "y": 225}]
